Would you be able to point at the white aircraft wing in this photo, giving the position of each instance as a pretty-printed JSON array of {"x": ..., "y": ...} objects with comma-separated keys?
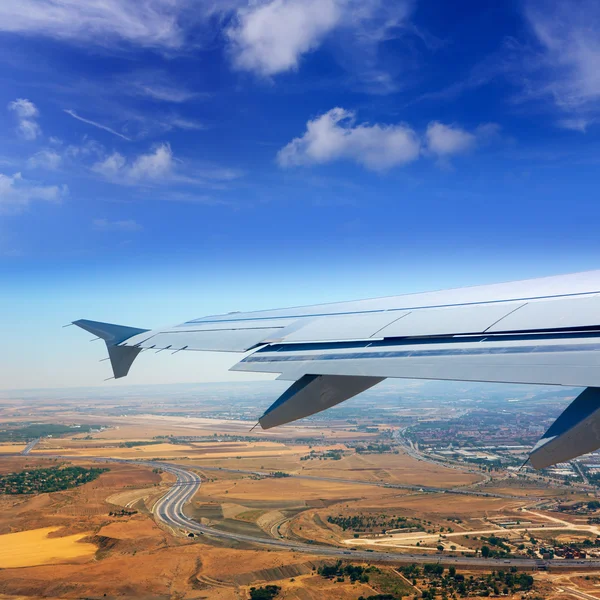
[{"x": 544, "y": 331}]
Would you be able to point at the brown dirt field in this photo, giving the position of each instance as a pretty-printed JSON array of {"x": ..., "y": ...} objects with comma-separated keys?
[
  {"x": 77, "y": 509},
  {"x": 12, "y": 448},
  {"x": 287, "y": 489},
  {"x": 179, "y": 451},
  {"x": 392, "y": 468},
  {"x": 314, "y": 587},
  {"x": 131, "y": 529},
  {"x": 148, "y": 426}
]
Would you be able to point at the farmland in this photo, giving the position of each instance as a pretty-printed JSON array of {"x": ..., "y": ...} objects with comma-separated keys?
[{"x": 319, "y": 482}]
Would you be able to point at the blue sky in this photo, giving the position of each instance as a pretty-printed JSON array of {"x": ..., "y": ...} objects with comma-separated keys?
[{"x": 165, "y": 159}]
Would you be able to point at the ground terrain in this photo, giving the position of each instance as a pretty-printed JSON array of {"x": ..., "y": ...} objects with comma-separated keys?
[{"x": 296, "y": 483}]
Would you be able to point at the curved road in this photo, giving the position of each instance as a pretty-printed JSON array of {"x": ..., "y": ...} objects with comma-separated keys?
[{"x": 169, "y": 511}]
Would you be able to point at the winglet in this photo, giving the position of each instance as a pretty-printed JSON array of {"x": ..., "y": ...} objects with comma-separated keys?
[{"x": 121, "y": 357}]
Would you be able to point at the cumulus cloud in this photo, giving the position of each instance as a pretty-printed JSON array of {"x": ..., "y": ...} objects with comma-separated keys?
[
  {"x": 446, "y": 140},
  {"x": 271, "y": 36},
  {"x": 335, "y": 135},
  {"x": 108, "y": 225},
  {"x": 26, "y": 113},
  {"x": 569, "y": 63},
  {"x": 16, "y": 193},
  {"x": 155, "y": 166},
  {"x": 45, "y": 159}
]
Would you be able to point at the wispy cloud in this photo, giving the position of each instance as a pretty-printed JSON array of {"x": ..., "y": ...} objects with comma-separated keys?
[
  {"x": 575, "y": 124},
  {"x": 150, "y": 23},
  {"x": 128, "y": 225},
  {"x": 73, "y": 114},
  {"x": 163, "y": 93},
  {"x": 17, "y": 193},
  {"x": 27, "y": 114},
  {"x": 45, "y": 159},
  {"x": 567, "y": 67}
]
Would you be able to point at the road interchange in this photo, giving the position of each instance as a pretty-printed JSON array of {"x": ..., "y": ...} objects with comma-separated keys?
[{"x": 168, "y": 510}]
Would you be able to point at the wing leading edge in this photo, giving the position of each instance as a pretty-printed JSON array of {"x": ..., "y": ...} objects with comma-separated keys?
[{"x": 544, "y": 331}]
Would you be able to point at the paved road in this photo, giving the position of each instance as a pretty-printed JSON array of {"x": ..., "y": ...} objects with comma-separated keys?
[
  {"x": 169, "y": 510},
  {"x": 30, "y": 446}
]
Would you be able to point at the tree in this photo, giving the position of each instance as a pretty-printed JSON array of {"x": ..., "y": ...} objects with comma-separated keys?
[{"x": 485, "y": 551}]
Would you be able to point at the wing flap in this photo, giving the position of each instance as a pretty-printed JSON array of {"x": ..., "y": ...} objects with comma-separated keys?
[
  {"x": 575, "y": 432},
  {"x": 312, "y": 394}
]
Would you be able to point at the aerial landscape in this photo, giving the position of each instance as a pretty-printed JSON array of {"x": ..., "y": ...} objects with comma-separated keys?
[
  {"x": 299, "y": 299},
  {"x": 157, "y": 495}
]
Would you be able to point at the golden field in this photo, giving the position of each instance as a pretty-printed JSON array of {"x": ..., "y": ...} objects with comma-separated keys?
[{"x": 35, "y": 547}]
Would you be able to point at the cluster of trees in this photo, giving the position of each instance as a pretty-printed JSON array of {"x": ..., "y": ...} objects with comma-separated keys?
[
  {"x": 375, "y": 449},
  {"x": 340, "y": 571},
  {"x": 446, "y": 583},
  {"x": 500, "y": 543},
  {"x": 31, "y": 431},
  {"x": 134, "y": 444},
  {"x": 330, "y": 454},
  {"x": 123, "y": 512},
  {"x": 280, "y": 474},
  {"x": 372, "y": 523},
  {"x": 268, "y": 592},
  {"x": 53, "y": 479}
]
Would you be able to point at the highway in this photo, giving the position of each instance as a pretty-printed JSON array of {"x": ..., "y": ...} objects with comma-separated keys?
[
  {"x": 32, "y": 444},
  {"x": 169, "y": 510}
]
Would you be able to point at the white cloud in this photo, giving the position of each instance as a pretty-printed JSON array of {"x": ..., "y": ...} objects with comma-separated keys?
[
  {"x": 185, "y": 124},
  {"x": 124, "y": 225},
  {"x": 45, "y": 159},
  {"x": 150, "y": 23},
  {"x": 271, "y": 36},
  {"x": 446, "y": 140},
  {"x": 26, "y": 113},
  {"x": 16, "y": 193},
  {"x": 111, "y": 167},
  {"x": 574, "y": 124},
  {"x": 155, "y": 166},
  {"x": 334, "y": 135},
  {"x": 569, "y": 65},
  {"x": 24, "y": 109},
  {"x": 163, "y": 93}
]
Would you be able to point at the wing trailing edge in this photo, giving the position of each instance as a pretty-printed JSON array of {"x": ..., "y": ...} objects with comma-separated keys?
[{"x": 542, "y": 331}]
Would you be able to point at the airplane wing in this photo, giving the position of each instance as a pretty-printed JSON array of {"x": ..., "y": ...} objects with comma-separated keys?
[{"x": 540, "y": 331}]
